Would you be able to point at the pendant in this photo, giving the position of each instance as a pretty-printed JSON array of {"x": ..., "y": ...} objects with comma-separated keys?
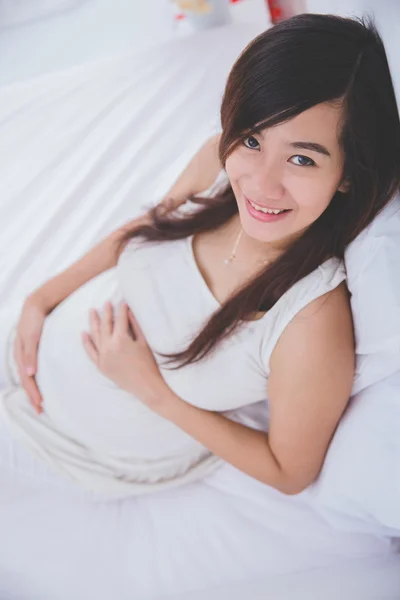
[{"x": 228, "y": 261}]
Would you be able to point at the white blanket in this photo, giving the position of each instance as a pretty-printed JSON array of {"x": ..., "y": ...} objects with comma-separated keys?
[{"x": 20, "y": 12}]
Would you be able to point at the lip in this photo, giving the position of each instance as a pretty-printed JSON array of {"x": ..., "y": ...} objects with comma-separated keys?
[
  {"x": 264, "y": 217},
  {"x": 263, "y": 205}
]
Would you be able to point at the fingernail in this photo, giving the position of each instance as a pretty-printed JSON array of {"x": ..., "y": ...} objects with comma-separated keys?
[{"x": 30, "y": 370}]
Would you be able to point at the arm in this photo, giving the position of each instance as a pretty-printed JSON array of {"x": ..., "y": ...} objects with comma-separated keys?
[
  {"x": 199, "y": 174},
  {"x": 312, "y": 369},
  {"x": 312, "y": 373}
]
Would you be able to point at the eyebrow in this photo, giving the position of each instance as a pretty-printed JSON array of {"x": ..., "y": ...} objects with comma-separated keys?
[{"x": 311, "y": 146}]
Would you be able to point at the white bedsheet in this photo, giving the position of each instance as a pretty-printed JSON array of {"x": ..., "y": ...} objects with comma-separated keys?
[
  {"x": 81, "y": 152},
  {"x": 15, "y": 14}
]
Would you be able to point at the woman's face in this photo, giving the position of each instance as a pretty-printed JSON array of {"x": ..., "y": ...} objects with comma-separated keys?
[{"x": 296, "y": 166}]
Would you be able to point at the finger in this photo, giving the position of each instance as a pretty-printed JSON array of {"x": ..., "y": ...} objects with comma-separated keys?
[
  {"x": 90, "y": 348},
  {"x": 18, "y": 357},
  {"x": 30, "y": 386},
  {"x": 107, "y": 319},
  {"x": 139, "y": 335},
  {"x": 167, "y": 205},
  {"x": 29, "y": 355},
  {"x": 121, "y": 321},
  {"x": 94, "y": 326},
  {"x": 16, "y": 347}
]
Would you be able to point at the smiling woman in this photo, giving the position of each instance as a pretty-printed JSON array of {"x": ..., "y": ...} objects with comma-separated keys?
[{"x": 306, "y": 170}]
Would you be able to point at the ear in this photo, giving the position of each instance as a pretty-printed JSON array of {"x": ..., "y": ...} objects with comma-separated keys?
[{"x": 344, "y": 187}]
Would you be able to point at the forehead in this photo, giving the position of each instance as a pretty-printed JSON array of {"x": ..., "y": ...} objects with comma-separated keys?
[{"x": 320, "y": 123}]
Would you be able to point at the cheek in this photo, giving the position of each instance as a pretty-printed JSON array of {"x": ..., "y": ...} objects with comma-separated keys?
[
  {"x": 234, "y": 170},
  {"x": 239, "y": 168},
  {"x": 311, "y": 194},
  {"x": 235, "y": 166}
]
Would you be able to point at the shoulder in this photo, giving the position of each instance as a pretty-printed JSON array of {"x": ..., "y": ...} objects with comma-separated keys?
[
  {"x": 332, "y": 303},
  {"x": 317, "y": 297},
  {"x": 323, "y": 328},
  {"x": 312, "y": 290},
  {"x": 322, "y": 300}
]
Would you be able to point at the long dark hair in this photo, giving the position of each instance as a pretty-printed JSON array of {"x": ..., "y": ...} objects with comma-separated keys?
[{"x": 301, "y": 62}]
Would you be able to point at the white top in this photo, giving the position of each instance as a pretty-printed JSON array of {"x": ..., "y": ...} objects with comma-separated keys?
[{"x": 103, "y": 437}]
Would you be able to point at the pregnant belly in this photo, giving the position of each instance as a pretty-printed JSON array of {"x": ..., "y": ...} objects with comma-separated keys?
[{"x": 86, "y": 406}]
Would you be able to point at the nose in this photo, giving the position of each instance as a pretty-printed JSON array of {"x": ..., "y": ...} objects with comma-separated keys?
[{"x": 267, "y": 183}]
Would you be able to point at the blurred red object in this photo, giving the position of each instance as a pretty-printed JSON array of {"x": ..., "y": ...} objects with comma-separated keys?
[
  {"x": 274, "y": 10},
  {"x": 284, "y": 9}
]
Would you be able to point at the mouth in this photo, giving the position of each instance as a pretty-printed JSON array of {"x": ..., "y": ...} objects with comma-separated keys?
[{"x": 266, "y": 214}]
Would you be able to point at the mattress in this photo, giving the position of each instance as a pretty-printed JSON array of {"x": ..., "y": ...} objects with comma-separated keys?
[{"x": 83, "y": 151}]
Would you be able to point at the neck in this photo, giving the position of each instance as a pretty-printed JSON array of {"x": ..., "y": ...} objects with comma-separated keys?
[{"x": 250, "y": 248}]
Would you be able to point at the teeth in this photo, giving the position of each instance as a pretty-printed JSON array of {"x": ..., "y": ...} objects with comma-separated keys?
[{"x": 266, "y": 210}]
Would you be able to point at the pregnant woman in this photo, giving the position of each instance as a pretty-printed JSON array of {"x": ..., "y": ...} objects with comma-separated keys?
[{"x": 205, "y": 352}]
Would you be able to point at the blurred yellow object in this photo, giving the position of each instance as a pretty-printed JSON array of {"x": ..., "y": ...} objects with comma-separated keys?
[{"x": 196, "y": 6}]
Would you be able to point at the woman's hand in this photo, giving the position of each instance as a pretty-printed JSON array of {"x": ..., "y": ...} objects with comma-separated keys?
[
  {"x": 120, "y": 351},
  {"x": 29, "y": 330}
]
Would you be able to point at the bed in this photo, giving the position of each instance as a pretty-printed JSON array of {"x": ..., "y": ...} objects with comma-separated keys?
[{"x": 83, "y": 151}]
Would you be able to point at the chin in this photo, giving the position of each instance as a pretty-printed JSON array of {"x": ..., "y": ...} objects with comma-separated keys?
[
  {"x": 265, "y": 232},
  {"x": 285, "y": 230}
]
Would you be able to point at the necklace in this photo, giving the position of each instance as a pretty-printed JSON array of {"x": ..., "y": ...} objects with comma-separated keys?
[{"x": 231, "y": 258}]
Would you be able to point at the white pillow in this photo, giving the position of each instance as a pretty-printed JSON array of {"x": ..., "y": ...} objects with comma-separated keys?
[
  {"x": 359, "y": 485},
  {"x": 373, "y": 271}
]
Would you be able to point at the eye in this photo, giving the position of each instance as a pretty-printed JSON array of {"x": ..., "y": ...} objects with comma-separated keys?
[
  {"x": 302, "y": 161},
  {"x": 251, "y": 137}
]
